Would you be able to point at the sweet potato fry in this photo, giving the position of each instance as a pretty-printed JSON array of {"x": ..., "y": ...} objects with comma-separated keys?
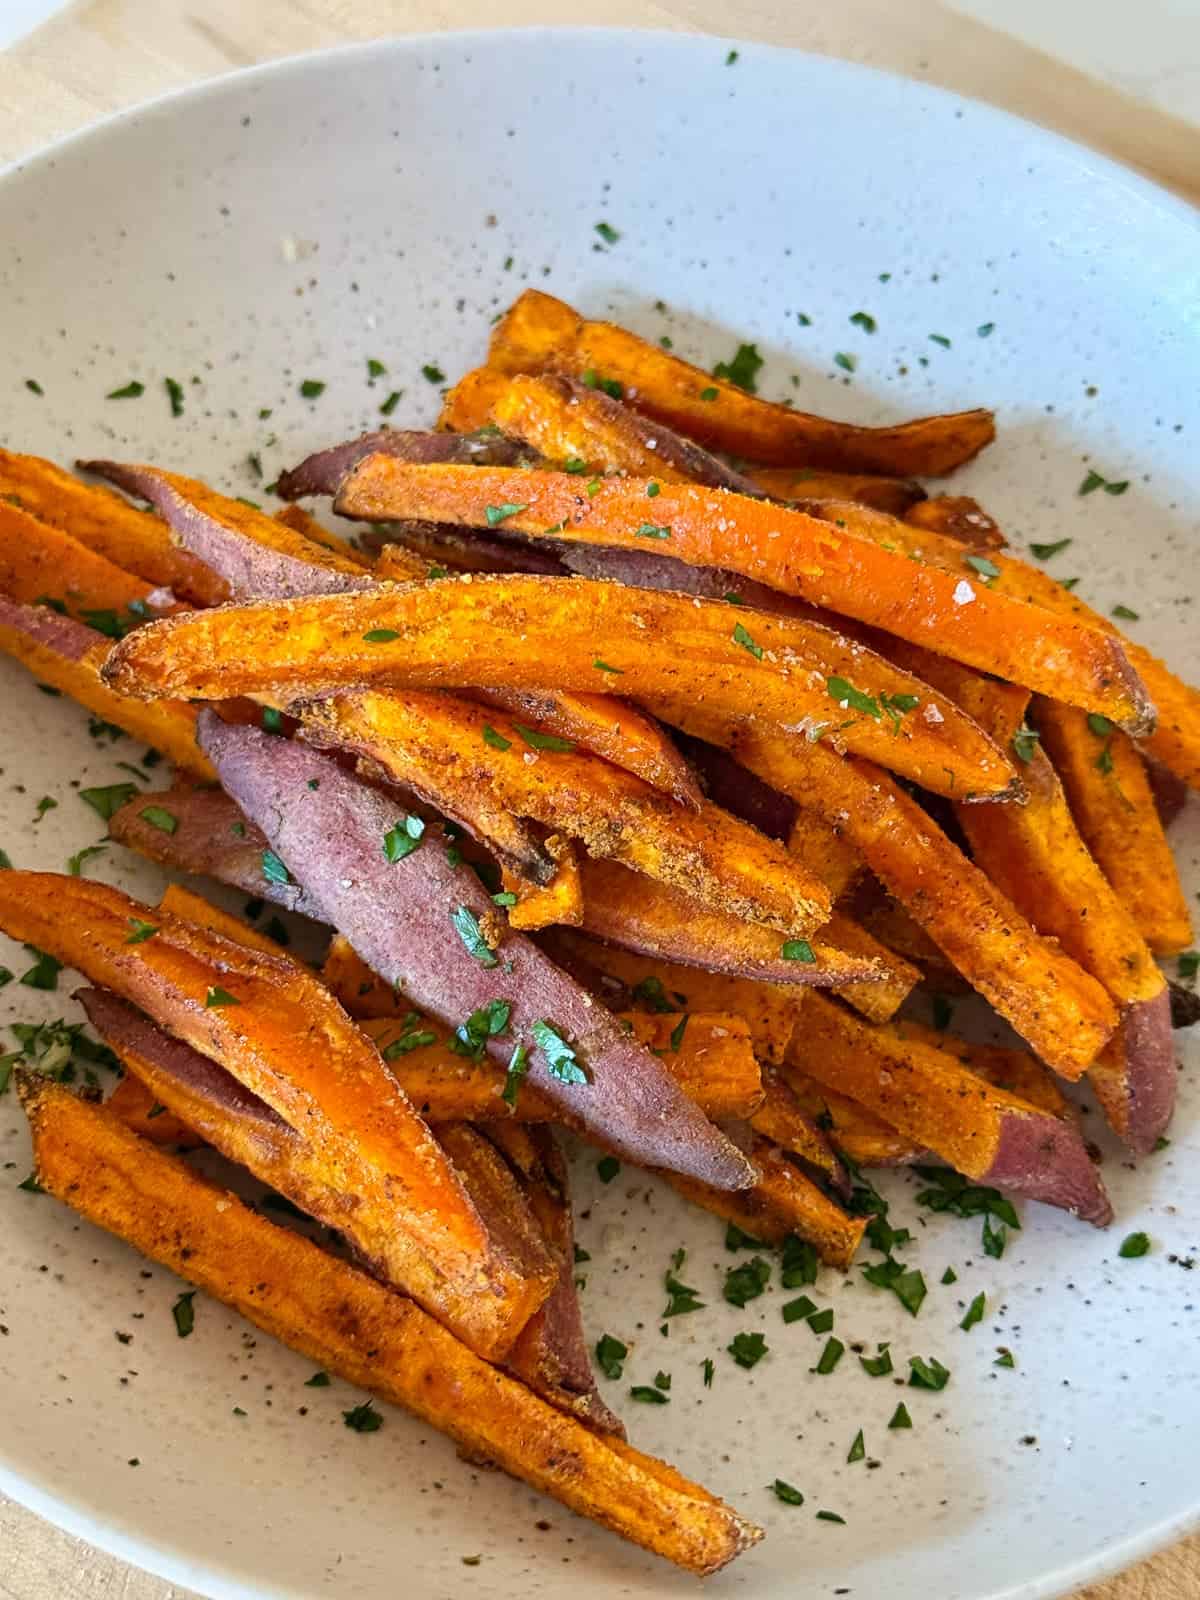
[
  {"x": 568, "y": 423},
  {"x": 783, "y": 1201},
  {"x": 323, "y": 472},
  {"x": 1113, "y": 806},
  {"x": 273, "y": 1027},
  {"x": 1016, "y": 1071},
  {"x": 847, "y": 567},
  {"x": 540, "y": 334},
  {"x": 67, "y": 655},
  {"x": 735, "y": 789},
  {"x": 346, "y": 1322},
  {"x": 181, "y": 902},
  {"x": 254, "y": 554},
  {"x": 877, "y": 1001},
  {"x": 496, "y": 632},
  {"x": 551, "y": 1354},
  {"x": 468, "y": 406},
  {"x": 1038, "y": 859},
  {"x": 649, "y": 984},
  {"x": 708, "y": 1054},
  {"x": 39, "y": 563},
  {"x": 131, "y": 539},
  {"x": 428, "y": 925},
  {"x": 987, "y": 1134},
  {"x": 999, "y": 708},
  {"x": 1060, "y": 1009},
  {"x": 147, "y": 1117},
  {"x": 543, "y": 905},
  {"x": 781, "y": 1118},
  {"x": 305, "y": 524},
  {"x": 444, "y": 748},
  {"x": 956, "y": 516},
  {"x": 607, "y": 727},
  {"x": 895, "y": 495},
  {"x": 210, "y": 837},
  {"x": 861, "y": 1136},
  {"x": 656, "y": 919}
]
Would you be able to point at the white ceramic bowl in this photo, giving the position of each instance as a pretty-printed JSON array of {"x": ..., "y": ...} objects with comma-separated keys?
[{"x": 384, "y": 202}]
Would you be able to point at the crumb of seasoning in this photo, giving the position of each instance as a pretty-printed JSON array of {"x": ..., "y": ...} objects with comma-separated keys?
[
  {"x": 134, "y": 1462},
  {"x": 470, "y": 1561}
]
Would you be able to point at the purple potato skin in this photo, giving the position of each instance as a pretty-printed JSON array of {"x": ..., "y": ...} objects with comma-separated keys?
[
  {"x": 252, "y": 570},
  {"x": 63, "y": 635},
  {"x": 1136, "y": 1077},
  {"x": 404, "y": 920},
  {"x": 735, "y": 789},
  {"x": 322, "y": 473},
  {"x": 1045, "y": 1158}
]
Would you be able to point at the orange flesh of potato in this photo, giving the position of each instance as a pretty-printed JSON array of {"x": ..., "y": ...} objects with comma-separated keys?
[
  {"x": 1111, "y": 800},
  {"x": 346, "y": 1322},
  {"x": 276, "y": 1029},
  {"x": 136, "y": 541},
  {"x": 987, "y": 1134},
  {"x": 845, "y": 560},
  {"x": 518, "y": 632},
  {"x": 895, "y": 495},
  {"x": 539, "y": 334},
  {"x": 40, "y": 564},
  {"x": 542, "y": 905}
]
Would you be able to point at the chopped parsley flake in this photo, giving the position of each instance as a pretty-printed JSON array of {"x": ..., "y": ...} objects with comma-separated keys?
[
  {"x": 128, "y": 391},
  {"x": 1025, "y": 742},
  {"x": 747, "y": 1281},
  {"x": 363, "y": 1418},
  {"x": 986, "y": 569},
  {"x": 785, "y": 1492},
  {"x": 217, "y": 997},
  {"x": 273, "y": 868},
  {"x": 140, "y": 931},
  {"x": 1043, "y": 552},
  {"x": 108, "y": 800},
  {"x": 907, "y": 1284},
  {"x": 879, "y": 1366},
  {"x": 796, "y": 1310},
  {"x": 831, "y": 1516},
  {"x": 900, "y": 1417},
  {"x": 1095, "y": 480},
  {"x": 375, "y": 369},
  {"x": 380, "y": 635},
  {"x": 707, "y": 1368},
  {"x": 974, "y": 1313},
  {"x": 742, "y": 637},
  {"x": 796, "y": 950},
  {"x": 560, "y": 1056},
  {"x": 43, "y": 974},
  {"x": 518, "y": 1066},
  {"x": 433, "y": 372},
  {"x": 497, "y": 514},
  {"x": 864, "y": 320},
  {"x": 544, "y": 741},
  {"x": 610, "y": 1354},
  {"x": 393, "y": 400},
  {"x": 1134, "y": 1245},
  {"x": 648, "y": 530},
  {"x": 184, "y": 1313},
  {"x": 607, "y": 1168},
  {"x": 1125, "y": 614},
  {"x": 466, "y": 925},
  {"x": 846, "y": 695},
  {"x": 34, "y": 386},
  {"x": 159, "y": 817},
  {"x": 709, "y": 394},
  {"x": 821, "y": 1321},
  {"x": 798, "y": 1266},
  {"x": 643, "y": 1392},
  {"x": 403, "y": 838},
  {"x": 174, "y": 395},
  {"x": 681, "y": 1298},
  {"x": 929, "y": 1374},
  {"x": 311, "y": 388},
  {"x": 830, "y": 1356},
  {"x": 496, "y": 740},
  {"x": 607, "y": 232},
  {"x": 743, "y": 370},
  {"x": 603, "y": 666},
  {"x": 858, "y": 1450},
  {"x": 747, "y": 1349}
]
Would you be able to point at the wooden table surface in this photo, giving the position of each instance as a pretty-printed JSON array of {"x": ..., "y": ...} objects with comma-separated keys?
[{"x": 100, "y": 55}]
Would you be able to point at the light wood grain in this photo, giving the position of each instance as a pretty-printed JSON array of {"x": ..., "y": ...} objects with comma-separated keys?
[{"x": 104, "y": 54}]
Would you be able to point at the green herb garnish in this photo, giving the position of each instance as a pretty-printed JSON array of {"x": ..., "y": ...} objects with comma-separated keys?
[
  {"x": 747, "y": 1349},
  {"x": 743, "y": 370},
  {"x": 1134, "y": 1245}
]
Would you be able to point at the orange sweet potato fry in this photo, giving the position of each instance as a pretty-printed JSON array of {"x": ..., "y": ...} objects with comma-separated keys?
[
  {"x": 839, "y": 559},
  {"x": 134, "y": 540},
  {"x": 877, "y": 1001},
  {"x": 518, "y": 632},
  {"x": 541, "y": 334},
  {"x": 1113, "y": 806},
  {"x": 1061, "y": 1010},
  {"x": 987, "y": 1134},
  {"x": 304, "y": 523},
  {"x": 956, "y": 516},
  {"x": 568, "y": 422},
  {"x": 69, "y": 656},
  {"x": 607, "y": 727},
  {"x": 142, "y": 1114},
  {"x": 895, "y": 495},
  {"x": 543, "y": 905},
  {"x": 468, "y": 405},
  {"x": 270, "y": 1024},
  {"x": 443, "y": 747},
  {"x": 782, "y": 1119},
  {"x": 783, "y": 1201},
  {"x": 1039, "y": 860},
  {"x": 655, "y": 986},
  {"x": 346, "y": 1322},
  {"x": 551, "y": 1354},
  {"x": 181, "y": 902},
  {"x": 1016, "y": 1071},
  {"x": 39, "y": 563},
  {"x": 656, "y": 919},
  {"x": 859, "y": 1134},
  {"x": 825, "y": 852}
]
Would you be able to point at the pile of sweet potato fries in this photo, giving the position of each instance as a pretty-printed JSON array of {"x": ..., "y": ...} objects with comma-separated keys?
[{"x": 588, "y": 717}]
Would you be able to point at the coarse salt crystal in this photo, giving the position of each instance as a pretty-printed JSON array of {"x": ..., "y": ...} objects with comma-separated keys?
[{"x": 963, "y": 593}]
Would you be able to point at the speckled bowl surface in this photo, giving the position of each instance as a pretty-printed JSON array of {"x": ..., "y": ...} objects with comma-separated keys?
[{"x": 384, "y": 203}]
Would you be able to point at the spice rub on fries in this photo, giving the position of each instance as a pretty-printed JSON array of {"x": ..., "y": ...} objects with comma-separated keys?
[{"x": 652, "y": 764}]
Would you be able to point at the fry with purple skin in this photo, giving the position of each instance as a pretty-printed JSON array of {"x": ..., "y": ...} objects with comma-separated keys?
[
  {"x": 67, "y": 655},
  {"x": 988, "y": 1135},
  {"x": 427, "y": 925},
  {"x": 349, "y": 1324},
  {"x": 322, "y": 473}
]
